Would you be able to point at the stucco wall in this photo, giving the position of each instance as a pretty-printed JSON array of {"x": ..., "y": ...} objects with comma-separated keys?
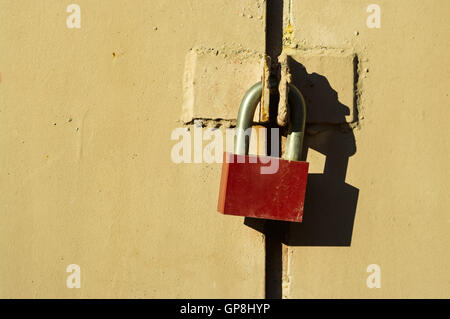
[
  {"x": 401, "y": 155},
  {"x": 87, "y": 178}
]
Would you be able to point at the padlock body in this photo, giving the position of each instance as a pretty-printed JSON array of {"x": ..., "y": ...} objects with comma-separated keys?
[{"x": 245, "y": 191}]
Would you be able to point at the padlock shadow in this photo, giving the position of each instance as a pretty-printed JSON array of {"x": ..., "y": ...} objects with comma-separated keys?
[{"x": 330, "y": 203}]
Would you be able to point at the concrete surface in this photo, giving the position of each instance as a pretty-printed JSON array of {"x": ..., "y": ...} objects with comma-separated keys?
[{"x": 86, "y": 176}]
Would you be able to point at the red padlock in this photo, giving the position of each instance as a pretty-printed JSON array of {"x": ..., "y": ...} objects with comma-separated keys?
[{"x": 249, "y": 186}]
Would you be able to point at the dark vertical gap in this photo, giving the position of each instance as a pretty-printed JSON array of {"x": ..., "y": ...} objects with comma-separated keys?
[
  {"x": 274, "y": 231},
  {"x": 274, "y": 28},
  {"x": 355, "y": 89}
]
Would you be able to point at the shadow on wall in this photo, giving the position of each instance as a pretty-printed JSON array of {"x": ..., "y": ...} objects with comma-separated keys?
[{"x": 330, "y": 203}]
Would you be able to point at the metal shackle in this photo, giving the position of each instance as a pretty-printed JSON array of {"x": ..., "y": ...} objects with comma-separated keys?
[{"x": 296, "y": 121}]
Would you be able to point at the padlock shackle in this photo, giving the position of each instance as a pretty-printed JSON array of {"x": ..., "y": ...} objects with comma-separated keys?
[
  {"x": 245, "y": 118},
  {"x": 296, "y": 126}
]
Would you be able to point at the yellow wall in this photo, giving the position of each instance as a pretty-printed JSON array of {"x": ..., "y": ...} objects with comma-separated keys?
[
  {"x": 402, "y": 151},
  {"x": 87, "y": 178}
]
